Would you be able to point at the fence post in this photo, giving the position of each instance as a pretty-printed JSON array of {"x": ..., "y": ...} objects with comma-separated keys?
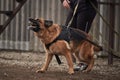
[{"x": 111, "y": 33}]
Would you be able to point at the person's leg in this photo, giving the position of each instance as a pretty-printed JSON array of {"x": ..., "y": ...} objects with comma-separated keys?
[
  {"x": 82, "y": 18},
  {"x": 85, "y": 19},
  {"x": 91, "y": 17}
]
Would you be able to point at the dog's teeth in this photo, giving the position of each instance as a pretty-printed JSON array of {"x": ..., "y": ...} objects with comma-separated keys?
[
  {"x": 29, "y": 22},
  {"x": 29, "y": 27}
]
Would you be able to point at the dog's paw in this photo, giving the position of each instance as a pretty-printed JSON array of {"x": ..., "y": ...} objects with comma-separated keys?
[
  {"x": 71, "y": 72},
  {"x": 40, "y": 71},
  {"x": 86, "y": 71}
]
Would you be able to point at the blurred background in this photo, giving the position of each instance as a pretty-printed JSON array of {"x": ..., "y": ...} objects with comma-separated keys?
[{"x": 17, "y": 37}]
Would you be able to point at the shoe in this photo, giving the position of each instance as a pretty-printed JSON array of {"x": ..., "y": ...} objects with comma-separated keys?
[
  {"x": 77, "y": 68},
  {"x": 80, "y": 67}
]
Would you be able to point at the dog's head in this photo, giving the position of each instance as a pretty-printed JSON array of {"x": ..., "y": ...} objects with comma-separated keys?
[
  {"x": 37, "y": 24},
  {"x": 44, "y": 29}
]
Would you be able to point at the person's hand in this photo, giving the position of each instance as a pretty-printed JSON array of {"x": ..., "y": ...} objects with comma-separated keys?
[{"x": 66, "y": 4}]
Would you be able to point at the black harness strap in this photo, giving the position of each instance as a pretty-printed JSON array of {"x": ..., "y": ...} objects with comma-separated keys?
[
  {"x": 56, "y": 56},
  {"x": 58, "y": 59}
]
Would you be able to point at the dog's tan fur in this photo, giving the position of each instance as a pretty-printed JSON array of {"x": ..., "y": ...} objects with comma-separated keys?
[{"x": 82, "y": 50}]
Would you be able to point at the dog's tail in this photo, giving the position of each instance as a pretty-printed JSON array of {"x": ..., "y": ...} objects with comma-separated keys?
[{"x": 97, "y": 47}]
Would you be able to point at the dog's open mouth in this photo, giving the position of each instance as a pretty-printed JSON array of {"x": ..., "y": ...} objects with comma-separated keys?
[{"x": 33, "y": 25}]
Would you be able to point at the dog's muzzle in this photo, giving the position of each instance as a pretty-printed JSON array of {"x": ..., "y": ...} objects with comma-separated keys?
[
  {"x": 34, "y": 25},
  {"x": 33, "y": 28}
]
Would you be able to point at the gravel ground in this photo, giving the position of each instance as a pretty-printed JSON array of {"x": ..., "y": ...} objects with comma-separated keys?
[{"x": 22, "y": 66}]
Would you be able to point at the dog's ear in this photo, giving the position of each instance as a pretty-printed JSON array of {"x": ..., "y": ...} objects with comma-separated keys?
[{"x": 48, "y": 23}]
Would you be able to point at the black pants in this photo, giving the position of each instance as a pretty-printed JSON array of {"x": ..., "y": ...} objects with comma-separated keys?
[{"x": 82, "y": 19}]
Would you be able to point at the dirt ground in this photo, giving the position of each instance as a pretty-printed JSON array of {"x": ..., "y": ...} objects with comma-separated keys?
[{"x": 22, "y": 66}]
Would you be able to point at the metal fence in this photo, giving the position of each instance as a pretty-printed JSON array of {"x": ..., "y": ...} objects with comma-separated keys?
[{"x": 17, "y": 37}]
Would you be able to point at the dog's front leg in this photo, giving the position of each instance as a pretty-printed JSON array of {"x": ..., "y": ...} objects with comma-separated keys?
[
  {"x": 70, "y": 62},
  {"x": 47, "y": 61}
]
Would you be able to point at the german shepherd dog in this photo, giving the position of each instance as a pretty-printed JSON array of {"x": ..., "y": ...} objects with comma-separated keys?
[{"x": 60, "y": 40}]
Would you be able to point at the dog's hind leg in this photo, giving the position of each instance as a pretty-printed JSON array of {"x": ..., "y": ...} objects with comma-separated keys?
[
  {"x": 90, "y": 66},
  {"x": 90, "y": 59},
  {"x": 47, "y": 61}
]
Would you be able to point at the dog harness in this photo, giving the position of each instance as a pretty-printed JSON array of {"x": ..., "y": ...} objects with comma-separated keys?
[
  {"x": 64, "y": 35},
  {"x": 68, "y": 34}
]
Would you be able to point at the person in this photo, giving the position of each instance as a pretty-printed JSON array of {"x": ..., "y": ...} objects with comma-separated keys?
[
  {"x": 82, "y": 19},
  {"x": 84, "y": 15}
]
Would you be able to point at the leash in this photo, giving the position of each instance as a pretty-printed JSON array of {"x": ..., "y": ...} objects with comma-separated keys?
[
  {"x": 70, "y": 22},
  {"x": 76, "y": 7}
]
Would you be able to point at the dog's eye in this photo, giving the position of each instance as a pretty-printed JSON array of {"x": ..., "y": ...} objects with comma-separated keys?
[{"x": 37, "y": 19}]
